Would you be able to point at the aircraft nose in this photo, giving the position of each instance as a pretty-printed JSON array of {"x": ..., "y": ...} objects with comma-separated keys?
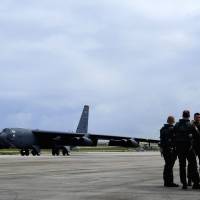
[{"x": 3, "y": 142}]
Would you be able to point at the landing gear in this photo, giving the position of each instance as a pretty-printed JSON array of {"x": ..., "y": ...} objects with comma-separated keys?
[
  {"x": 24, "y": 152},
  {"x": 35, "y": 150},
  {"x": 35, "y": 153},
  {"x": 65, "y": 151},
  {"x": 55, "y": 151}
]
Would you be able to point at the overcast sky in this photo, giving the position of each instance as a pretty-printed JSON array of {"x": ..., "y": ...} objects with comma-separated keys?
[{"x": 133, "y": 61}]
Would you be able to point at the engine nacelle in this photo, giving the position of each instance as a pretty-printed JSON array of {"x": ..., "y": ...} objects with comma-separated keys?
[
  {"x": 132, "y": 143},
  {"x": 83, "y": 141},
  {"x": 117, "y": 143},
  {"x": 124, "y": 143},
  {"x": 75, "y": 141}
]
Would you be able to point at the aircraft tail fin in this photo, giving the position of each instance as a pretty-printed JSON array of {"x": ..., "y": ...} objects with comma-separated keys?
[{"x": 83, "y": 123}]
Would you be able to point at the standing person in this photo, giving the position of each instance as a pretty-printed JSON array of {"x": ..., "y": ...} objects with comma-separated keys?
[
  {"x": 168, "y": 151},
  {"x": 183, "y": 141},
  {"x": 196, "y": 140},
  {"x": 196, "y": 135}
]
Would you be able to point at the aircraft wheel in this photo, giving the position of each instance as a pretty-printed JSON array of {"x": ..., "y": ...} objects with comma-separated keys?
[
  {"x": 57, "y": 152},
  {"x": 27, "y": 152},
  {"x": 53, "y": 152},
  {"x": 65, "y": 152},
  {"x": 22, "y": 152},
  {"x": 33, "y": 152}
]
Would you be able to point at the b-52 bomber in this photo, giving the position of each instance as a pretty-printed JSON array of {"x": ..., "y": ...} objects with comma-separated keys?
[{"x": 33, "y": 141}]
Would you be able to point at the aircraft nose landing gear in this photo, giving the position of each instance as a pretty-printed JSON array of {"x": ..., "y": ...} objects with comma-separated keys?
[
  {"x": 24, "y": 152},
  {"x": 35, "y": 151}
]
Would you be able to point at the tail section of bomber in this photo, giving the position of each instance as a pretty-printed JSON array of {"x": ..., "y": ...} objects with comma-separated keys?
[{"x": 83, "y": 123}]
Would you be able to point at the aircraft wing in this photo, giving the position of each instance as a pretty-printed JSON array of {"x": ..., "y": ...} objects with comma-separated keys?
[
  {"x": 124, "y": 141},
  {"x": 147, "y": 140},
  {"x": 87, "y": 139},
  {"x": 83, "y": 138},
  {"x": 53, "y": 134},
  {"x": 114, "y": 137}
]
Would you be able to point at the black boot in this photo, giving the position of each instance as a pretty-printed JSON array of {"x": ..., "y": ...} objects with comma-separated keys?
[
  {"x": 171, "y": 185},
  {"x": 196, "y": 186},
  {"x": 189, "y": 182},
  {"x": 184, "y": 187}
]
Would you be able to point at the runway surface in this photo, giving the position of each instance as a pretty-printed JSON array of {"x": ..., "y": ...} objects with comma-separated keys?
[{"x": 87, "y": 176}]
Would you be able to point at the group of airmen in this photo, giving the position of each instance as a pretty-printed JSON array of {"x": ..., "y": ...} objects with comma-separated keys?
[{"x": 181, "y": 140}]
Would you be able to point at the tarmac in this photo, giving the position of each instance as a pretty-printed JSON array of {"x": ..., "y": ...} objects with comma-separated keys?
[{"x": 88, "y": 176}]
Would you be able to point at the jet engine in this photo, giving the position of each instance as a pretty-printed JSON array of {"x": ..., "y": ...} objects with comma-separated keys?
[
  {"x": 124, "y": 143},
  {"x": 116, "y": 143},
  {"x": 83, "y": 141},
  {"x": 132, "y": 143}
]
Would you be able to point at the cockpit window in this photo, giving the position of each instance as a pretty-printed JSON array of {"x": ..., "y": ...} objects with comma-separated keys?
[{"x": 6, "y": 130}]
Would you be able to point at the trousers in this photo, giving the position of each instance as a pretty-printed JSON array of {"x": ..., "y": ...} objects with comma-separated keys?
[
  {"x": 170, "y": 157},
  {"x": 185, "y": 153}
]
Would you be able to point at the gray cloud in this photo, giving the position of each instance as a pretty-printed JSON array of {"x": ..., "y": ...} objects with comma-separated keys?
[{"x": 134, "y": 62}]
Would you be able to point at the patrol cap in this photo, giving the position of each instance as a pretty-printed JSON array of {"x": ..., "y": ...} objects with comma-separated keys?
[
  {"x": 171, "y": 119},
  {"x": 186, "y": 114}
]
